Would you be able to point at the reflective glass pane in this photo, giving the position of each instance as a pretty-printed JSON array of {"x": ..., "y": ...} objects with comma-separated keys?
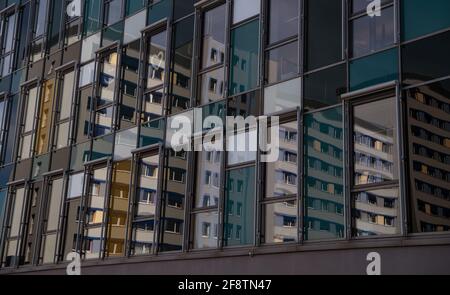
[
  {"x": 214, "y": 36},
  {"x": 428, "y": 129},
  {"x": 156, "y": 58},
  {"x": 118, "y": 209},
  {"x": 280, "y": 222},
  {"x": 208, "y": 179},
  {"x": 212, "y": 86},
  {"x": 325, "y": 87},
  {"x": 421, "y": 17},
  {"x": 375, "y": 69},
  {"x": 376, "y": 213},
  {"x": 282, "y": 97},
  {"x": 239, "y": 207},
  {"x": 376, "y": 142},
  {"x": 244, "y": 57},
  {"x": 370, "y": 34},
  {"x": 206, "y": 230},
  {"x": 282, "y": 63},
  {"x": 244, "y": 9},
  {"x": 282, "y": 175},
  {"x": 324, "y": 171},
  {"x": 283, "y": 22}
]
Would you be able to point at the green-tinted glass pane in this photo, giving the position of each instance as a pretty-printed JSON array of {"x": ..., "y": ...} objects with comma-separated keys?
[
  {"x": 80, "y": 155},
  {"x": 112, "y": 34},
  {"x": 92, "y": 18},
  {"x": 159, "y": 10},
  {"x": 132, "y": 6},
  {"x": 239, "y": 207},
  {"x": 152, "y": 133},
  {"x": 374, "y": 69},
  {"x": 324, "y": 187},
  {"x": 244, "y": 58},
  {"x": 424, "y": 17}
]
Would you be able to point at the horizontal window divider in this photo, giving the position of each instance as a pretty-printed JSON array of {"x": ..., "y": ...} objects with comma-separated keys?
[
  {"x": 276, "y": 200},
  {"x": 205, "y": 210},
  {"x": 240, "y": 166},
  {"x": 282, "y": 43},
  {"x": 425, "y": 83},
  {"x": 375, "y": 186},
  {"x": 155, "y": 26},
  {"x": 210, "y": 69}
]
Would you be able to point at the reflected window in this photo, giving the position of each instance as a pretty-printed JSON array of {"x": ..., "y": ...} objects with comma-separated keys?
[
  {"x": 280, "y": 222},
  {"x": 282, "y": 63}
]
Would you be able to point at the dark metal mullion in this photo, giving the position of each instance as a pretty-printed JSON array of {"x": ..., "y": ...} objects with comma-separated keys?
[{"x": 349, "y": 165}]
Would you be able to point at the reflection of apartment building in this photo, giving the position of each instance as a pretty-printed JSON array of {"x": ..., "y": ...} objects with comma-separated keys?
[
  {"x": 429, "y": 141},
  {"x": 324, "y": 179},
  {"x": 208, "y": 195}
]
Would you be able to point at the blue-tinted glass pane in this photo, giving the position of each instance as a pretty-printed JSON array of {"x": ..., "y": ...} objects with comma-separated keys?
[{"x": 375, "y": 69}]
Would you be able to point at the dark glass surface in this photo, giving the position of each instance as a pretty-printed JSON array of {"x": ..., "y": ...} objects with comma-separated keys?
[
  {"x": 419, "y": 67},
  {"x": 325, "y": 87}
]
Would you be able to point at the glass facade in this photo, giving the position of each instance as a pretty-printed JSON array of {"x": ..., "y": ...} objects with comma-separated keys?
[{"x": 89, "y": 90}]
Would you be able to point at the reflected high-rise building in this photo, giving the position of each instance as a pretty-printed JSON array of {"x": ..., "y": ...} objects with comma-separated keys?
[{"x": 428, "y": 109}]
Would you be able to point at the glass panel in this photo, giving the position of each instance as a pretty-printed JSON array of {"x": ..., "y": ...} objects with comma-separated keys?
[
  {"x": 360, "y": 6},
  {"x": 66, "y": 101},
  {"x": 208, "y": 180},
  {"x": 45, "y": 118},
  {"x": 240, "y": 193},
  {"x": 49, "y": 248},
  {"x": 244, "y": 9},
  {"x": 75, "y": 186},
  {"x": 63, "y": 135},
  {"x": 282, "y": 97},
  {"x": 324, "y": 175},
  {"x": 214, "y": 36},
  {"x": 152, "y": 133},
  {"x": 242, "y": 147},
  {"x": 419, "y": 67},
  {"x": 118, "y": 209},
  {"x": 56, "y": 197},
  {"x": 421, "y": 17},
  {"x": 282, "y": 63},
  {"x": 282, "y": 175},
  {"x": 92, "y": 16},
  {"x": 125, "y": 143},
  {"x": 244, "y": 105},
  {"x": 175, "y": 202},
  {"x": 87, "y": 74},
  {"x": 181, "y": 70},
  {"x": 134, "y": 25},
  {"x": 147, "y": 195},
  {"x": 324, "y": 18},
  {"x": 41, "y": 17},
  {"x": 129, "y": 89},
  {"x": 370, "y": 34},
  {"x": 325, "y": 87},
  {"x": 283, "y": 19},
  {"x": 376, "y": 143},
  {"x": 244, "y": 57},
  {"x": 206, "y": 230},
  {"x": 375, "y": 69},
  {"x": 280, "y": 222},
  {"x": 428, "y": 131},
  {"x": 108, "y": 79},
  {"x": 376, "y": 213},
  {"x": 30, "y": 112},
  {"x": 90, "y": 46},
  {"x": 93, "y": 232},
  {"x": 16, "y": 218},
  {"x": 153, "y": 105},
  {"x": 156, "y": 60},
  {"x": 212, "y": 86},
  {"x": 114, "y": 12}
]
